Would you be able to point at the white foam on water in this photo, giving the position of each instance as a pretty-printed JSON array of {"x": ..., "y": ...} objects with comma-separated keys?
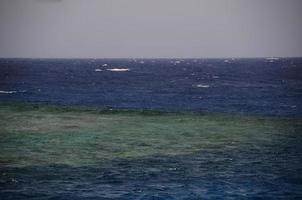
[
  {"x": 272, "y": 58},
  {"x": 118, "y": 69},
  {"x": 105, "y": 65},
  {"x": 202, "y": 86},
  {"x": 7, "y": 92},
  {"x": 98, "y": 70}
]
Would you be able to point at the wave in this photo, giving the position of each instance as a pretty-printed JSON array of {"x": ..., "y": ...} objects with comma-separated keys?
[
  {"x": 7, "y": 92},
  {"x": 202, "y": 86},
  {"x": 272, "y": 58},
  {"x": 119, "y": 69}
]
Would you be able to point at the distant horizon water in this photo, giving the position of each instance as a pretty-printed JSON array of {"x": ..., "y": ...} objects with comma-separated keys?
[
  {"x": 244, "y": 57},
  {"x": 268, "y": 86}
]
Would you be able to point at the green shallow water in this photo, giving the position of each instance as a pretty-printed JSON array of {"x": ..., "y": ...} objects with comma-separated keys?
[{"x": 45, "y": 135}]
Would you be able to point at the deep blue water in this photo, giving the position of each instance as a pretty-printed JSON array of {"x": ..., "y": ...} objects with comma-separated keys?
[
  {"x": 258, "y": 86},
  {"x": 206, "y": 175}
]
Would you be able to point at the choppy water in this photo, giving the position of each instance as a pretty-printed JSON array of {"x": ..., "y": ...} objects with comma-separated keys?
[
  {"x": 243, "y": 140},
  {"x": 263, "y": 86}
]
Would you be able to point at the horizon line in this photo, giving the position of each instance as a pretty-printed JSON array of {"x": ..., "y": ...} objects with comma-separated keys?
[{"x": 256, "y": 57}]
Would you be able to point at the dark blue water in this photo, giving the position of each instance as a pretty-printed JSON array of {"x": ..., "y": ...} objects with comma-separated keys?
[
  {"x": 228, "y": 175},
  {"x": 258, "y": 86}
]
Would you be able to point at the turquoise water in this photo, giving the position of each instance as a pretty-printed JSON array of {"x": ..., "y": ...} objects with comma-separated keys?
[{"x": 72, "y": 153}]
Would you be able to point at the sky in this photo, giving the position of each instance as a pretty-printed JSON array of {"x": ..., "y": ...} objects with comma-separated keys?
[{"x": 150, "y": 28}]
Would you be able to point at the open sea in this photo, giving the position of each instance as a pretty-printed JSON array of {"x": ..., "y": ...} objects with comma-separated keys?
[{"x": 151, "y": 128}]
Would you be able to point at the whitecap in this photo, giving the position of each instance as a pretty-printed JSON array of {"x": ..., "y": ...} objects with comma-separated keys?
[
  {"x": 7, "y": 92},
  {"x": 272, "y": 58},
  {"x": 98, "y": 70},
  {"x": 202, "y": 86},
  {"x": 118, "y": 69},
  {"x": 177, "y": 62},
  {"x": 105, "y": 65}
]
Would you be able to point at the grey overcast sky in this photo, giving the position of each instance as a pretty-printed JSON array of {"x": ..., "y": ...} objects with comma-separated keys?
[{"x": 150, "y": 28}]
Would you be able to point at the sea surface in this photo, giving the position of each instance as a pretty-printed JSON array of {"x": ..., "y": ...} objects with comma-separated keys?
[
  {"x": 151, "y": 128},
  {"x": 259, "y": 86}
]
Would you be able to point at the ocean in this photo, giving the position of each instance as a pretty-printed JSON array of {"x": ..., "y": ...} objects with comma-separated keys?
[
  {"x": 151, "y": 128},
  {"x": 259, "y": 86}
]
